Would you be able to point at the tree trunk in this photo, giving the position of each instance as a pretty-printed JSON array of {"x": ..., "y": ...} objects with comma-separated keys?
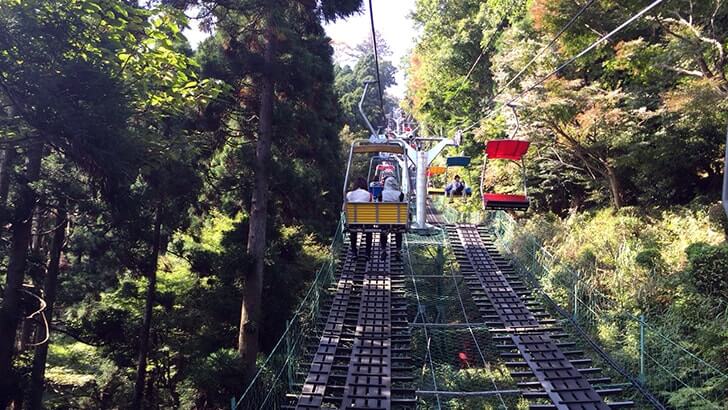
[
  {"x": 36, "y": 231},
  {"x": 6, "y": 175},
  {"x": 37, "y": 380},
  {"x": 250, "y": 314},
  {"x": 10, "y": 311},
  {"x": 615, "y": 187},
  {"x": 35, "y": 272},
  {"x": 27, "y": 326},
  {"x": 149, "y": 305}
]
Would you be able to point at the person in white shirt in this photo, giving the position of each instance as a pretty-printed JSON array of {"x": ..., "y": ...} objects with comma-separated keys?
[
  {"x": 360, "y": 194},
  {"x": 390, "y": 193}
]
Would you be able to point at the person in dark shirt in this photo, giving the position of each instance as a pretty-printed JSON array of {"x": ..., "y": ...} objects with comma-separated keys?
[{"x": 456, "y": 187}]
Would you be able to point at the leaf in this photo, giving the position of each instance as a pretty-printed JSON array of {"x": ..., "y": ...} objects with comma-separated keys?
[{"x": 119, "y": 9}]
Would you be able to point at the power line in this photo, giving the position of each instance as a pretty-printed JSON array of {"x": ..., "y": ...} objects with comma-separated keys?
[
  {"x": 485, "y": 49},
  {"x": 569, "y": 62},
  {"x": 376, "y": 57}
]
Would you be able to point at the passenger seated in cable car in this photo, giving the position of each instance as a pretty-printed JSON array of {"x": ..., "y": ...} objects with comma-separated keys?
[
  {"x": 390, "y": 193},
  {"x": 456, "y": 187},
  {"x": 375, "y": 188},
  {"x": 360, "y": 194}
]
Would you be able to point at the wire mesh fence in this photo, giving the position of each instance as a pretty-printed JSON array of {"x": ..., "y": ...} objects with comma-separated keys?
[
  {"x": 678, "y": 377},
  {"x": 434, "y": 238},
  {"x": 456, "y": 363},
  {"x": 280, "y": 372}
]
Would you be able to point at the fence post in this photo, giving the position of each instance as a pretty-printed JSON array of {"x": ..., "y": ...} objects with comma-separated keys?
[
  {"x": 576, "y": 301},
  {"x": 642, "y": 349},
  {"x": 233, "y": 403},
  {"x": 289, "y": 352},
  {"x": 317, "y": 296}
]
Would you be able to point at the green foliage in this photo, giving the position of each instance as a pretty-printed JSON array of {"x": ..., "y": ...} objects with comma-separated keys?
[
  {"x": 78, "y": 367},
  {"x": 686, "y": 398},
  {"x": 629, "y": 263},
  {"x": 446, "y": 85},
  {"x": 349, "y": 87},
  {"x": 708, "y": 269},
  {"x": 640, "y": 121},
  {"x": 138, "y": 129},
  {"x": 217, "y": 375},
  {"x": 668, "y": 266}
]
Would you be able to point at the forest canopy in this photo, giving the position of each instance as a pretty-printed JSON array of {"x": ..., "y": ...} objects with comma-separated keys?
[
  {"x": 145, "y": 191},
  {"x": 164, "y": 208}
]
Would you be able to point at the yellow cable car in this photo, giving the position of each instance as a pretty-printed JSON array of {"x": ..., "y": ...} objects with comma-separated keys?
[{"x": 379, "y": 216}]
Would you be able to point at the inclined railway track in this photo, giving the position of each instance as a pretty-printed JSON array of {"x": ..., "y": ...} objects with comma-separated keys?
[
  {"x": 433, "y": 215},
  {"x": 533, "y": 346},
  {"x": 361, "y": 358}
]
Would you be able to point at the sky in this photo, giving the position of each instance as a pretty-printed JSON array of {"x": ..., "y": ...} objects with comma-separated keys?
[{"x": 391, "y": 19}]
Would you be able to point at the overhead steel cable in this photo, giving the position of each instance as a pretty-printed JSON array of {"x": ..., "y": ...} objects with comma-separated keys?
[
  {"x": 535, "y": 58},
  {"x": 571, "y": 60},
  {"x": 543, "y": 49},
  {"x": 376, "y": 58}
]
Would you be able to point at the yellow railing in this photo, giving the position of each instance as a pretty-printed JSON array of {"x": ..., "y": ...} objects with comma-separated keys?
[{"x": 376, "y": 213}]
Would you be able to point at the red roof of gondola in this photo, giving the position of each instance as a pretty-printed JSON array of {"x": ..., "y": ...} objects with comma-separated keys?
[{"x": 506, "y": 149}]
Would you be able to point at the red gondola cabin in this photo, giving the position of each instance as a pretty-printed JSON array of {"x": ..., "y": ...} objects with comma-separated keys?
[{"x": 510, "y": 150}]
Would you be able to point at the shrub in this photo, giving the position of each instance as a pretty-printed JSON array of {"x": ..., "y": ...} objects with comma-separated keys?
[
  {"x": 649, "y": 259},
  {"x": 708, "y": 269}
]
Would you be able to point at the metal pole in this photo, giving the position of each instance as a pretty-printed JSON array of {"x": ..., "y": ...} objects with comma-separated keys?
[
  {"x": 642, "y": 349},
  {"x": 361, "y": 109},
  {"x": 576, "y": 301},
  {"x": 289, "y": 352},
  {"x": 725, "y": 175},
  {"x": 467, "y": 394},
  {"x": 421, "y": 189},
  {"x": 482, "y": 183}
]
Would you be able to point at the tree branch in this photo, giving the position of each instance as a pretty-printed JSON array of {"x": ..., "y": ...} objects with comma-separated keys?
[
  {"x": 580, "y": 152},
  {"x": 74, "y": 336},
  {"x": 694, "y": 73}
]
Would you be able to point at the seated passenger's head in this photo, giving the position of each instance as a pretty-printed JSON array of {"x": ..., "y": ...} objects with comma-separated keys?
[
  {"x": 360, "y": 183},
  {"x": 391, "y": 184}
]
